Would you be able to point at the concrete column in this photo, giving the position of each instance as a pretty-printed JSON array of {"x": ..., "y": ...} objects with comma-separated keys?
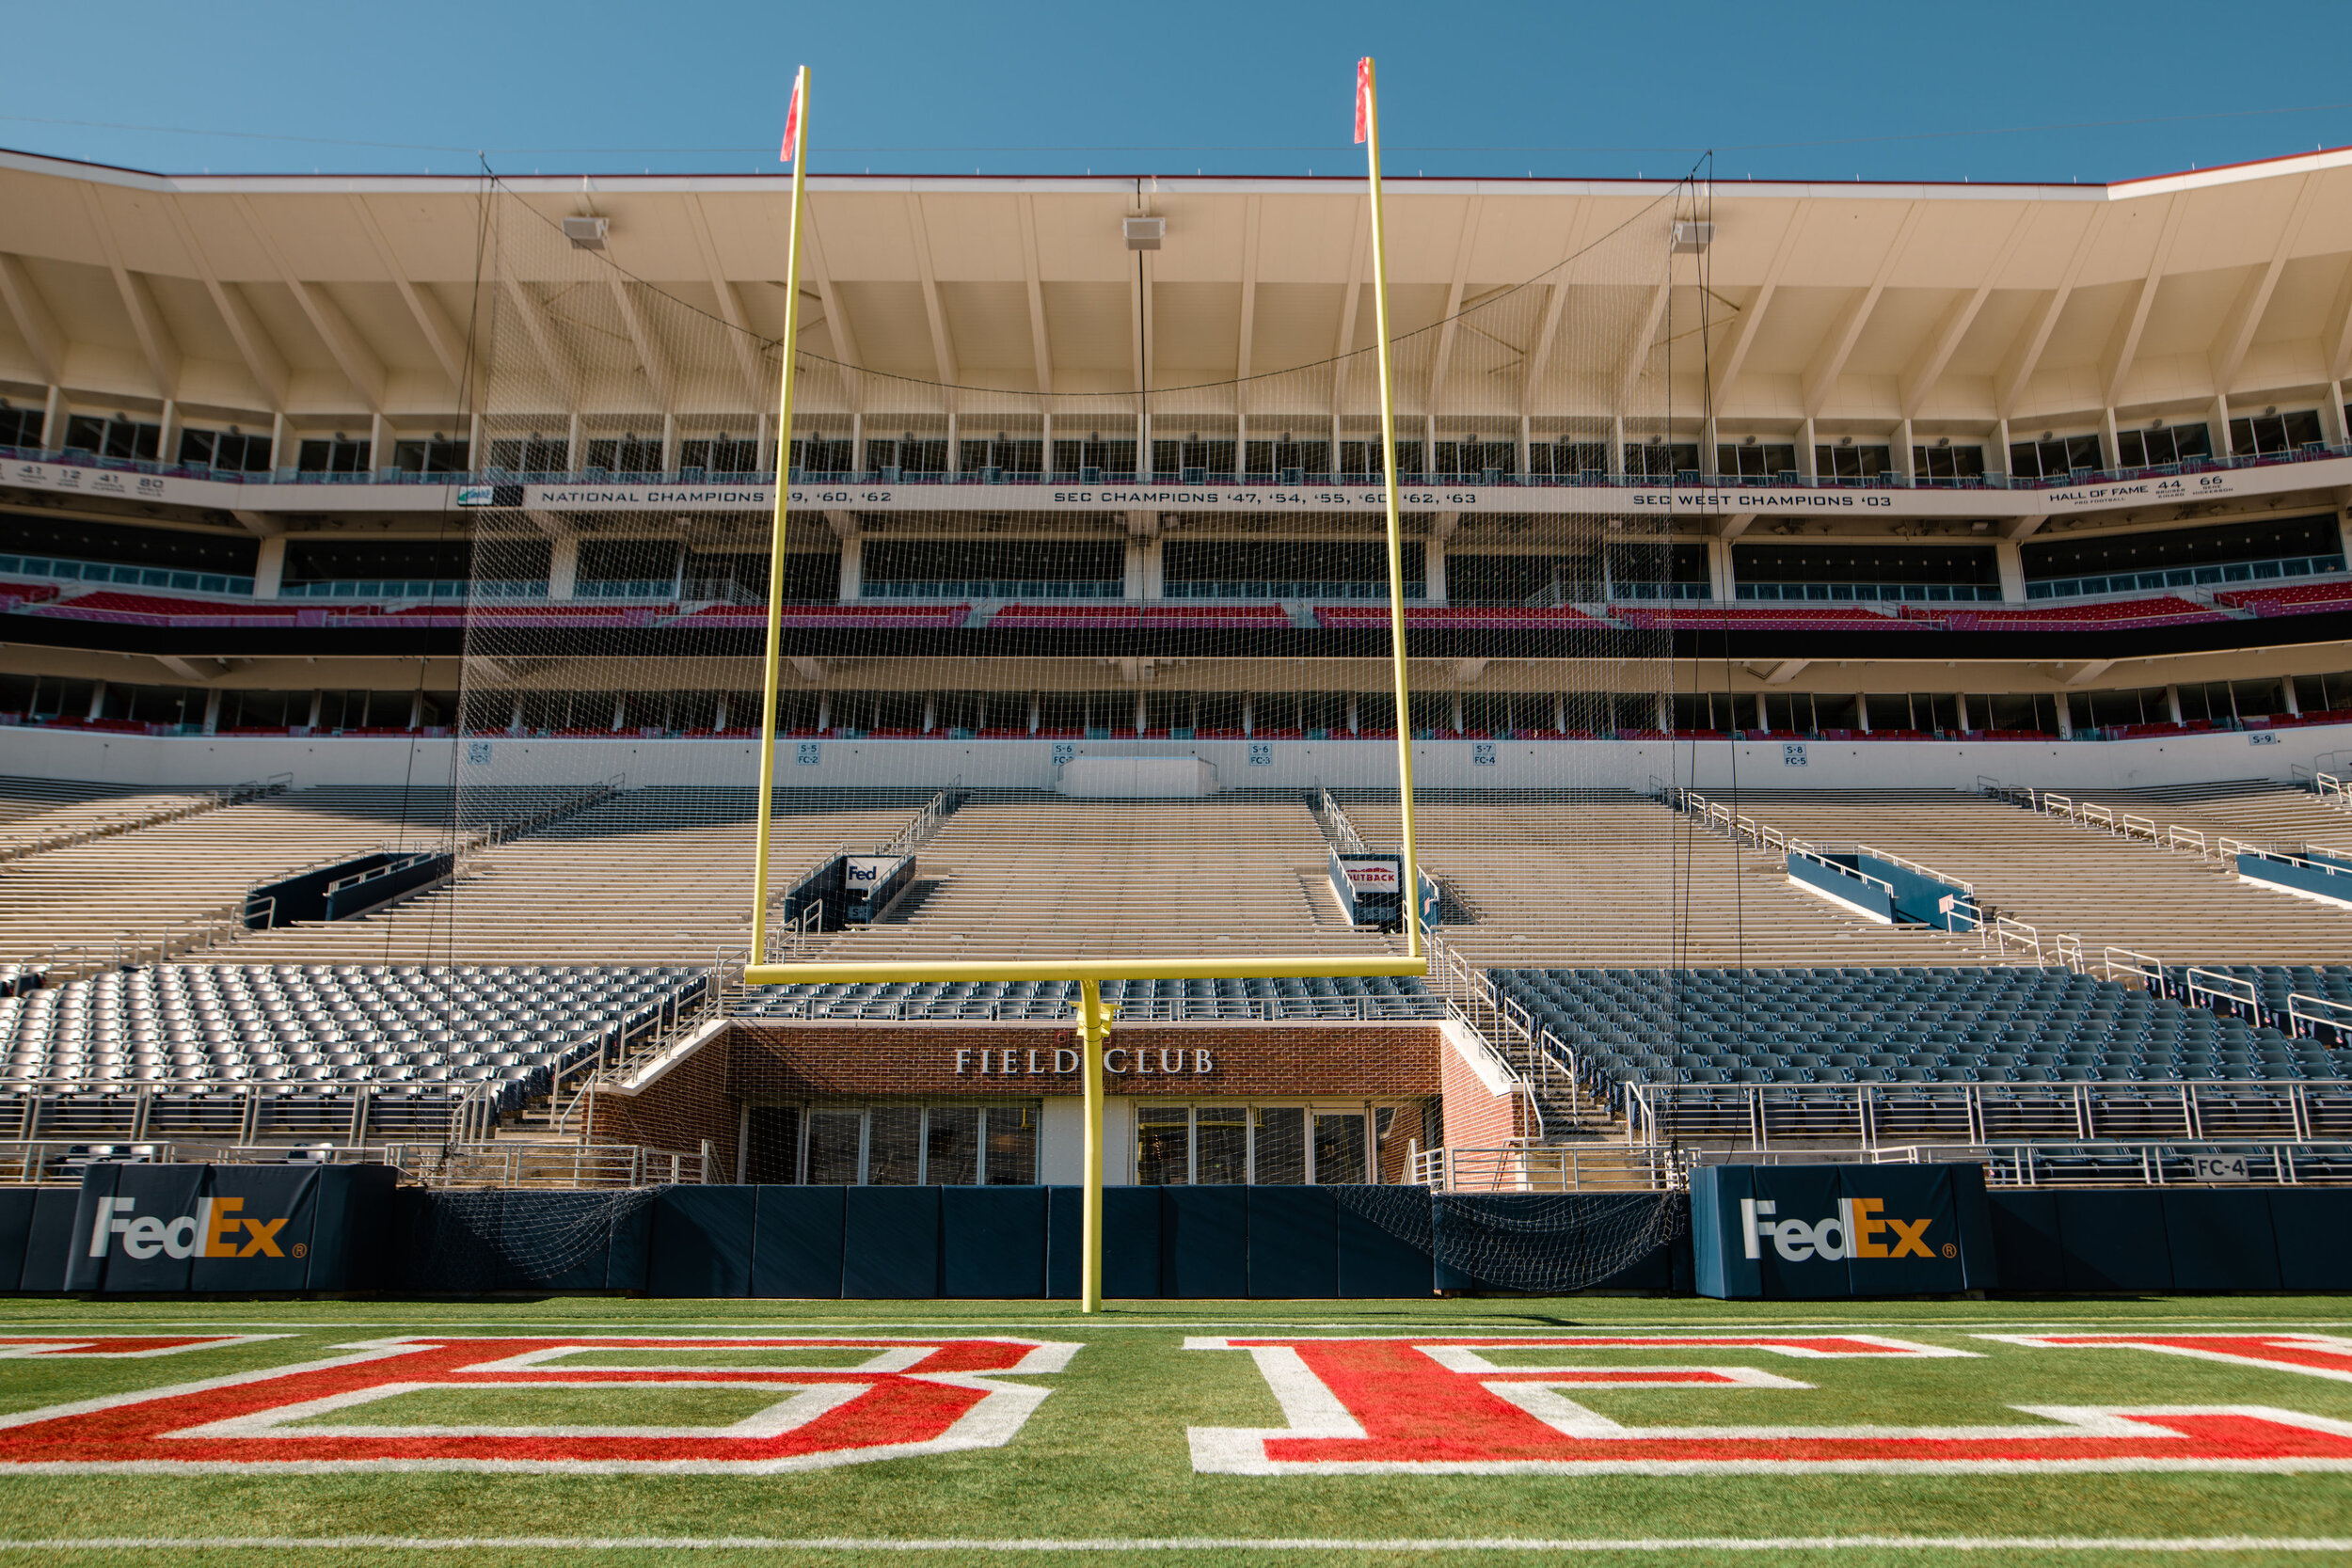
[
  {"x": 1709, "y": 439},
  {"x": 1806, "y": 466},
  {"x": 318, "y": 705},
  {"x": 1617, "y": 445},
  {"x": 269, "y": 567},
  {"x": 2065, "y": 717},
  {"x": 1665, "y": 714},
  {"x": 2173, "y": 705},
  {"x": 53, "y": 421},
  {"x": 1130, "y": 585},
  {"x": 1045, "y": 445},
  {"x": 620, "y": 712},
  {"x": 416, "y": 709},
  {"x": 2343, "y": 527},
  {"x": 1720, "y": 586},
  {"x": 1961, "y": 699},
  {"x": 2000, "y": 448},
  {"x": 1901, "y": 453},
  {"x": 1154, "y": 568},
  {"x": 1521, "y": 458},
  {"x": 515, "y": 719},
  {"x": 211, "y": 711},
  {"x": 931, "y": 711},
  {"x": 669, "y": 443},
  {"x": 764, "y": 439},
  {"x": 1036, "y": 714},
  {"x": 2286, "y": 695},
  {"x": 1354, "y": 709},
  {"x": 379, "y": 443},
  {"x": 575, "y": 450},
  {"x": 1763, "y": 720},
  {"x": 955, "y": 446},
  {"x": 1433, "y": 570},
  {"x": 1862, "y": 710},
  {"x": 98, "y": 702},
  {"x": 1458, "y": 713},
  {"x": 2010, "y": 558},
  {"x": 2220, "y": 420},
  {"x": 1559, "y": 713},
  {"x": 167, "y": 434},
  {"x": 281, "y": 457},
  {"x": 2332, "y": 419},
  {"x": 824, "y": 711},
  {"x": 857, "y": 443},
  {"x": 477, "y": 453},
  {"x": 1249, "y": 716},
  {"x": 852, "y": 569},
  {"x": 563, "y": 567},
  {"x": 1143, "y": 713},
  {"x": 2111, "y": 441}
]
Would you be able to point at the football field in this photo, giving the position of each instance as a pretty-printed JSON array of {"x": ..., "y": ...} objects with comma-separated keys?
[{"x": 1491, "y": 1432}]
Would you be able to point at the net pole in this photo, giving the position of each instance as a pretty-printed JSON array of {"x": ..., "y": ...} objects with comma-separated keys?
[
  {"x": 775, "y": 563},
  {"x": 1094, "y": 1026},
  {"x": 1409, "y": 888}
]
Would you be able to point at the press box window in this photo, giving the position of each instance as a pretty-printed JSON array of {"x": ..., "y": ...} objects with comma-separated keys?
[
  {"x": 894, "y": 1145},
  {"x": 336, "y": 457},
  {"x": 120, "y": 436},
  {"x": 224, "y": 451}
]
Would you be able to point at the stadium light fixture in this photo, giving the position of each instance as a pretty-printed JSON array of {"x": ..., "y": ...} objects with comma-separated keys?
[
  {"x": 587, "y": 234},
  {"x": 1692, "y": 238},
  {"x": 1144, "y": 233}
]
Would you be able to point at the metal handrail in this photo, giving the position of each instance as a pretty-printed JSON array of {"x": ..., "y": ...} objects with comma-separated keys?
[{"x": 1967, "y": 887}]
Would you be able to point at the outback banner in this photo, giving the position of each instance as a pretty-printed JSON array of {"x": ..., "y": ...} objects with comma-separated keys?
[{"x": 1806, "y": 1232}]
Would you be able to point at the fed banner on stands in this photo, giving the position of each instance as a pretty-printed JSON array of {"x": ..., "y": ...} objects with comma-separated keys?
[
  {"x": 1811, "y": 1233},
  {"x": 229, "y": 1228}
]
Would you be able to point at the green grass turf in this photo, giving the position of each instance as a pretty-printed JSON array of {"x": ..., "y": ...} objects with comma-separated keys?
[{"x": 1106, "y": 1454}]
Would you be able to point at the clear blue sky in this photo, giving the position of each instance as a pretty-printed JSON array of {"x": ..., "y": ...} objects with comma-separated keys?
[{"x": 1892, "y": 90}]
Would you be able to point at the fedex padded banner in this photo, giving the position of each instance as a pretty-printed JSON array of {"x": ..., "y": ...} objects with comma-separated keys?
[
  {"x": 228, "y": 1228},
  {"x": 1808, "y": 1232}
]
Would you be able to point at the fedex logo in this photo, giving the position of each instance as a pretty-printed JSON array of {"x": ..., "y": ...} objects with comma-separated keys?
[
  {"x": 217, "y": 1229},
  {"x": 1857, "y": 1229}
]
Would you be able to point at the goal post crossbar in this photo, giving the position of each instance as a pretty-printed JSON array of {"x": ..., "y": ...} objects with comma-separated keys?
[{"x": 1271, "y": 967}]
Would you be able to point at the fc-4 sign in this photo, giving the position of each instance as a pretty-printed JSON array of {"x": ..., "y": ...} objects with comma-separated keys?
[
  {"x": 1448, "y": 1405},
  {"x": 859, "y": 1398}
]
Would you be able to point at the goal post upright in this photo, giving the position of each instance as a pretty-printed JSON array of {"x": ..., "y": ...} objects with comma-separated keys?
[
  {"x": 1409, "y": 890},
  {"x": 771, "y": 665}
]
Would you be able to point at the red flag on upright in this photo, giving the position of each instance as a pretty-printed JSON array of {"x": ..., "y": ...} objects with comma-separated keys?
[
  {"x": 792, "y": 122},
  {"x": 1363, "y": 98}
]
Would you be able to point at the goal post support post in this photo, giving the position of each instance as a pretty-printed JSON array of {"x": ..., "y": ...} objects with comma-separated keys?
[{"x": 1094, "y": 1027}]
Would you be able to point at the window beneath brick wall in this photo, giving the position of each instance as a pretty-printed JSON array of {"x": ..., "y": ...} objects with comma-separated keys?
[
  {"x": 894, "y": 1144},
  {"x": 1185, "y": 1144}
]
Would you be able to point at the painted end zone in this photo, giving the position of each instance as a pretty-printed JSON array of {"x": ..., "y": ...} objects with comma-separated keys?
[{"x": 1444, "y": 1405}]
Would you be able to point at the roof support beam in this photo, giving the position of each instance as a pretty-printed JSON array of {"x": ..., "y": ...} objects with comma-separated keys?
[
  {"x": 1344, "y": 343},
  {"x": 138, "y": 301},
  {"x": 648, "y": 351},
  {"x": 1821, "y": 377},
  {"x": 1735, "y": 356},
  {"x": 2128, "y": 331},
  {"x": 1644, "y": 338},
  {"x": 349, "y": 351},
  {"x": 943, "y": 352},
  {"x": 34, "y": 324},
  {"x": 2025, "y": 353},
  {"x": 1921, "y": 379},
  {"x": 2230, "y": 348},
  {"x": 1031, "y": 271},
  {"x": 541, "y": 331},
  {"x": 2336, "y": 344},
  {"x": 440, "y": 334},
  {"x": 1555, "y": 305},
  {"x": 262, "y": 361},
  {"x": 1443, "y": 360},
  {"x": 1249, "y": 233},
  {"x": 741, "y": 339},
  {"x": 817, "y": 275}
]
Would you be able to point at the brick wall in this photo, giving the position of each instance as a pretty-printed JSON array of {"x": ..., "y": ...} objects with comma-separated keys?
[
  {"x": 1475, "y": 1116},
  {"x": 691, "y": 1102},
  {"x": 1189, "y": 1060}
]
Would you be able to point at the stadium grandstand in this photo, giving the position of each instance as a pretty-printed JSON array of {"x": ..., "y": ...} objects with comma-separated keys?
[{"x": 1880, "y": 666}]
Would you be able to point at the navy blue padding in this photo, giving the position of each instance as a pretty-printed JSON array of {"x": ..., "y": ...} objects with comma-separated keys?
[
  {"x": 158, "y": 1195},
  {"x": 1204, "y": 1242},
  {"x": 1653, "y": 1270},
  {"x": 1981, "y": 1263},
  {"x": 85, "y": 1265},
  {"x": 2026, "y": 1248},
  {"x": 890, "y": 1243},
  {"x": 2311, "y": 1227},
  {"x": 992, "y": 1241},
  {"x": 1131, "y": 1242},
  {"x": 702, "y": 1242},
  {"x": 795, "y": 1242},
  {"x": 354, "y": 1206},
  {"x": 1294, "y": 1243},
  {"x": 2220, "y": 1240},
  {"x": 50, "y": 1241},
  {"x": 262, "y": 1193},
  {"x": 2114, "y": 1240},
  {"x": 628, "y": 1261},
  {"x": 1374, "y": 1261},
  {"x": 1720, "y": 1267},
  {"x": 16, "y": 1229},
  {"x": 583, "y": 1220}
]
